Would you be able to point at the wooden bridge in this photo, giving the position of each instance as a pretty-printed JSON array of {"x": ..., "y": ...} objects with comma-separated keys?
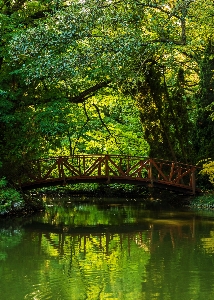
[{"x": 109, "y": 169}]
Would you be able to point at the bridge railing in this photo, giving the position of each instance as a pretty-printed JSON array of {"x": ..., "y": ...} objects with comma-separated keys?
[
  {"x": 152, "y": 171},
  {"x": 87, "y": 165}
]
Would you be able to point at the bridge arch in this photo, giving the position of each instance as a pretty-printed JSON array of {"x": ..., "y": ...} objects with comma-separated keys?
[{"x": 110, "y": 169}]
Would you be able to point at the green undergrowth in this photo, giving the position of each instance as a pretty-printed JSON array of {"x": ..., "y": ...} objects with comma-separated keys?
[
  {"x": 153, "y": 198},
  {"x": 205, "y": 201},
  {"x": 14, "y": 203},
  {"x": 94, "y": 189},
  {"x": 10, "y": 198}
]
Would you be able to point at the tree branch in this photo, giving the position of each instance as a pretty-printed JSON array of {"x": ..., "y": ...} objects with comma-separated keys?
[
  {"x": 106, "y": 127},
  {"x": 89, "y": 92},
  {"x": 101, "y": 120},
  {"x": 161, "y": 8},
  {"x": 164, "y": 40},
  {"x": 85, "y": 111}
]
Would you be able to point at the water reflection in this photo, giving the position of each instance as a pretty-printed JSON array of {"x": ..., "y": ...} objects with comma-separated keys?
[{"x": 89, "y": 251}]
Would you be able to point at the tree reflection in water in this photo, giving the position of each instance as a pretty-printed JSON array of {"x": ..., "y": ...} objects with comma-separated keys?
[{"x": 109, "y": 252}]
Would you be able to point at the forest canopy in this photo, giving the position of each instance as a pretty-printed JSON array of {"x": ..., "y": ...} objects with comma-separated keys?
[{"x": 89, "y": 76}]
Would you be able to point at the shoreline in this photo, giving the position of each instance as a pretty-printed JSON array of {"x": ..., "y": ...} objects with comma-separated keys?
[{"x": 152, "y": 198}]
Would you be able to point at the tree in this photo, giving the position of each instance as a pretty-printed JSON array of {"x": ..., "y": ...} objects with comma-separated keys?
[
  {"x": 204, "y": 131},
  {"x": 68, "y": 53}
]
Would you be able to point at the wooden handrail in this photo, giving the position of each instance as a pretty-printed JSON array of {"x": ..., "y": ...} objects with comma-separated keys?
[{"x": 111, "y": 168}]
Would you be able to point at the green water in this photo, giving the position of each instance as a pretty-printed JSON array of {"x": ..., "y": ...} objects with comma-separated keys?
[{"x": 107, "y": 250}]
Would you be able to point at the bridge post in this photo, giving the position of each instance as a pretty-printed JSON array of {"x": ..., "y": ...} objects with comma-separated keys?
[
  {"x": 106, "y": 166},
  {"x": 39, "y": 169},
  {"x": 193, "y": 181},
  {"x": 83, "y": 161},
  {"x": 99, "y": 166},
  {"x": 150, "y": 172},
  {"x": 171, "y": 171},
  {"x": 60, "y": 168},
  {"x": 128, "y": 166}
]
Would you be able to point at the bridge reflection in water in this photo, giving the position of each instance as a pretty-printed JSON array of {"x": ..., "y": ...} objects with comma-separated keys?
[
  {"x": 108, "y": 251},
  {"x": 110, "y": 169},
  {"x": 148, "y": 236},
  {"x": 108, "y": 260}
]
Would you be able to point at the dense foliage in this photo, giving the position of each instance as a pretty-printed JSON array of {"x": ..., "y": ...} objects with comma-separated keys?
[
  {"x": 9, "y": 198},
  {"x": 97, "y": 76}
]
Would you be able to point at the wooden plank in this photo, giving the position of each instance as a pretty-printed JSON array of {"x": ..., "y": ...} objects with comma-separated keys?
[
  {"x": 141, "y": 163},
  {"x": 159, "y": 170},
  {"x": 94, "y": 166},
  {"x": 60, "y": 168},
  {"x": 110, "y": 170},
  {"x": 171, "y": 171},
  {"x": 181, "y": 175},
  {"x": 83, "y": 167},
  {"x": 121, "y": 172},
  {"x": 150, "y": 175},
  {"x": 193, "y": 182},
  {"x": 160, "y": 167},
  {"x": 49, "y": 171},
  {"x": 71, "y": 168},
  {"x": 106, "y": 166},
  {"x": 138, "y": 171}
]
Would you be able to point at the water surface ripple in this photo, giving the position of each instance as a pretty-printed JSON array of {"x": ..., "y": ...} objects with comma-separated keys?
[{"x": 107, "y": 250}]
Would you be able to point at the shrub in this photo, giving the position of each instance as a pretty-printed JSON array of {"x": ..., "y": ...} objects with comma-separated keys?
[
  {"x": 208, "y": 169},
  {"x": 9, "y": 197}
]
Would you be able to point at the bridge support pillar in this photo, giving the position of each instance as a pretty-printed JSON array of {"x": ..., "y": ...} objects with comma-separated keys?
[
  {"x": 150, "y": 174},
  {"x": 193, "y": 182}
]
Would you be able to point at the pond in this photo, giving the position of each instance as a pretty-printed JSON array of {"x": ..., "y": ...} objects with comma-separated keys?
[{"x": 107, "y": 249}]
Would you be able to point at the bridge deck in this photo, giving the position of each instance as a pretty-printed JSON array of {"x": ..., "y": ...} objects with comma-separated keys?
[{"x": 110, "y": 169}]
